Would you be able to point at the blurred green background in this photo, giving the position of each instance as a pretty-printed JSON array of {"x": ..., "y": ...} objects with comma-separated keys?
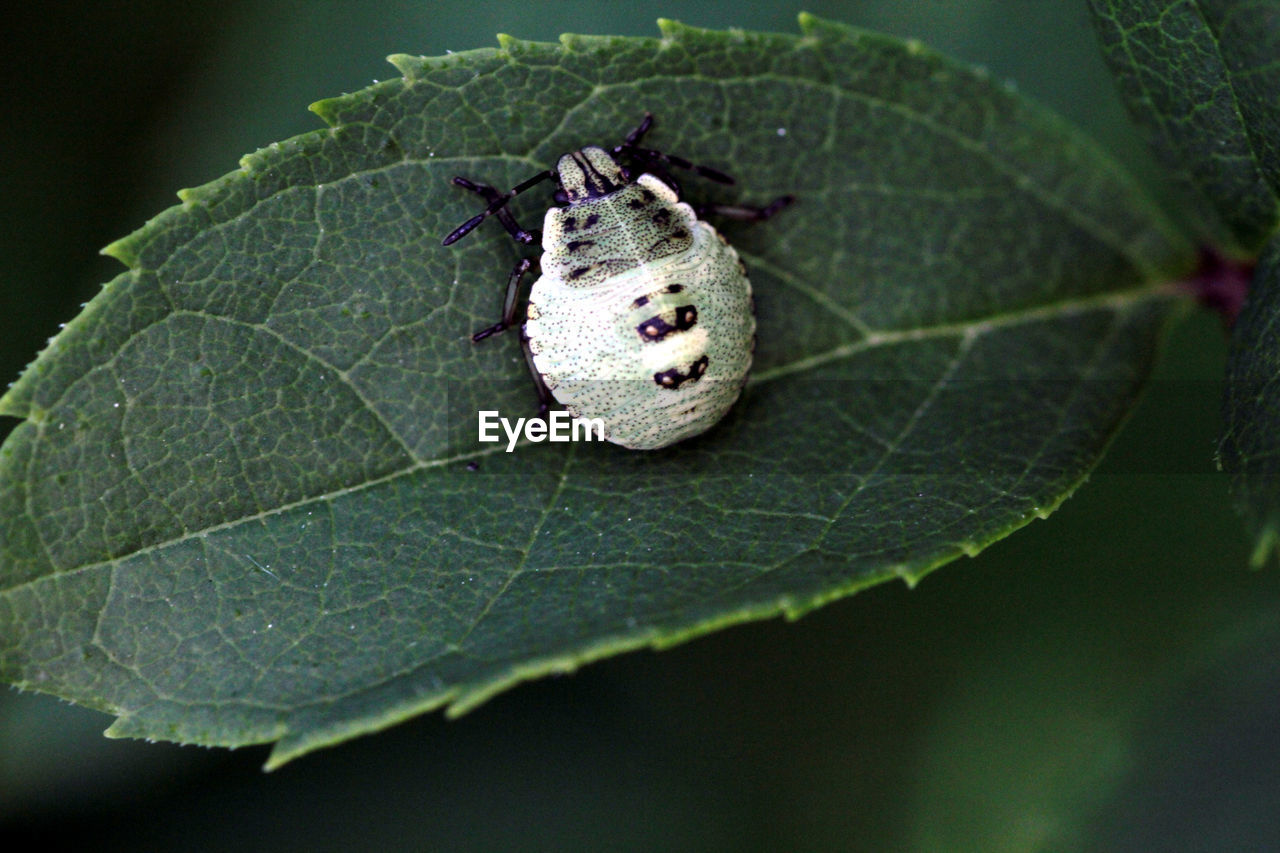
[{"x": 1103, "y": 680}]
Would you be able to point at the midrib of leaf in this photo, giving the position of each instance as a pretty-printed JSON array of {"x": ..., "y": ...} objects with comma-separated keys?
[
  {"x": 970, "y": 331},
  {"x": 1117, "y": 300},
  {"x": 969, "y": 336}
]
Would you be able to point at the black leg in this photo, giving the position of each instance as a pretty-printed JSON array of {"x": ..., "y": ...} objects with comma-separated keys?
[
  {"x": 636, "y": 135},
  {"x": 656, "y": 162},
  {"x": 504, "y": 216},
  {"x": 508, "y": 303},
  {"x": 648, "y": 155},
  {"x": 497, "y": 204},
  {"x": 545, "y": 398}
]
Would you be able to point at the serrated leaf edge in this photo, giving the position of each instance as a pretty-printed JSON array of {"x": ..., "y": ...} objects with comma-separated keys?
[{"x": 462, "y": 698}]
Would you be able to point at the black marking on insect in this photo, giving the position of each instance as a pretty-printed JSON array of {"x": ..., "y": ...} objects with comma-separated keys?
[
  {"x": 675, "y": 377},
  {"x": 642, "y": 301},
  {"x": 658, "y": 327},
  {"x": 597, "y": 184}
]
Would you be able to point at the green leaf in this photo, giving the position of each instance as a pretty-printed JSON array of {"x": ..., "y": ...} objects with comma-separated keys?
[
  {"x": 1202, "y": 77},
  {"x": 240, "y": 507},
  {"x": 1250, "y": 445}
]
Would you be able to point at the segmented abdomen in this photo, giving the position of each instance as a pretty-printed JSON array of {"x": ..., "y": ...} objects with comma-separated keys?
[{"x": 659, "y": 352}]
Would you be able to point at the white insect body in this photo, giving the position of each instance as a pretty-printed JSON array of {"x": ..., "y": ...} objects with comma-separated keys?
[{"x": 643, "y": 315}]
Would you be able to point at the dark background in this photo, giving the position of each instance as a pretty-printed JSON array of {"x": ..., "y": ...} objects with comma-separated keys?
[{"x": 1104, "y": 679}]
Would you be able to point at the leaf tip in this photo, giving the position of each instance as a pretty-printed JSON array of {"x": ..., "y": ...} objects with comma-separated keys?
[
  {"x": 123, "y": 250},
  {"x": 509, "y": 43},
  {"x": 671, "y": 29},
  {"x": 326, "y": 108},
  {"x": 123, "y": 726},
  {"x": 16, "y": 404},
  {"x": 811, "y": 26},
  {"x": 407, "y": 65},
  {"x": 279, "y": 757}
]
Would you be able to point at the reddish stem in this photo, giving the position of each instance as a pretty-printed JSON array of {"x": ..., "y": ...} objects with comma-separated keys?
[{"x": 1220, "y": 284}]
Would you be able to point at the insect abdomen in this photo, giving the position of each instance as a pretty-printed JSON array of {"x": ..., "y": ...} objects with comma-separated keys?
[{"x": 660, "y": 352}]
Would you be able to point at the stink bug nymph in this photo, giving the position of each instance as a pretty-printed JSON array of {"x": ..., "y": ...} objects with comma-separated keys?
[{"x": 643, "y": 315}]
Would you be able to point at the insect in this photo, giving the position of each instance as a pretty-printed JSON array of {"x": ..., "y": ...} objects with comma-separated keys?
[{"x": 643, "y": 315}]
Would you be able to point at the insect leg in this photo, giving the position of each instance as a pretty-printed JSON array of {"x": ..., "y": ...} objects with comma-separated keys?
[
  {"x": 508, "y": 303},
  {"x": 634, "y": 136},
  {"x": 651, "y": 156},
  {"x": 747, "y": 213},
  {"x": 504, "y": 216},
  {"x": 497, "y": 204},
  {"x": 545, "y": 397}
]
